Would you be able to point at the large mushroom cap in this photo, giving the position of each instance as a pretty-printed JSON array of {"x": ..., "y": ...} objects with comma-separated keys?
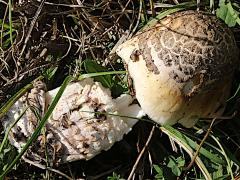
[
  {"x": 86, "y": 121},
  {"x": 182, "y": 67}
]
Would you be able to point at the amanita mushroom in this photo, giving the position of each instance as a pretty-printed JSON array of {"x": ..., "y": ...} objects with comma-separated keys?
[
  {"x": 86, "y": 121},
  {"x": 182, "y": 67}
]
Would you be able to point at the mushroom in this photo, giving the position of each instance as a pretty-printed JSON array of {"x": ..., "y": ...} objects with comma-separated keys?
[
  {"x": 182, "y": 67},
  {"x": 85, "y": 121}
]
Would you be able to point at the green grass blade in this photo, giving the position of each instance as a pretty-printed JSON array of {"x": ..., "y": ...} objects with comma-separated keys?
[
  {"x": 83, "y": 76},
  {"x": 171, "y": 10},
  {"x": 5, "y": 26},
  {"x": 194, "y": 138},
  {"x": 40, "y": 126},
  {"x": 93, "y": 67},
  {"x": 214, "y": 158},
  {"x": 205, "y": 152},
  {"x": 229, "y": 168},
  {"x": 180, "y": 139}
]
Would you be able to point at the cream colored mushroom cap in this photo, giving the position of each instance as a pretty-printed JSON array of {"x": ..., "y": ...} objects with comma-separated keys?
[
  {"x": 86, "y": 121},
  {"x": 182, "y": 67}
]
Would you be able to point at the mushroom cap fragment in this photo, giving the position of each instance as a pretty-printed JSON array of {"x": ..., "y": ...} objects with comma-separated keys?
[
  {"x": 86, "y": 121},
  {"x": 182, "y": 67}
]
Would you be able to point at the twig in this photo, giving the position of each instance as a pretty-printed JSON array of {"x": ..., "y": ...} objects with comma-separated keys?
[
  {"x": 200, "y": 145},
  {"x": 152, "y": 8},
  {"x": 46, "y": 168},
  {"x": 122, "y": 7},
  {"x": 31, "y": 26},
  {"x": 123, "y": 11},
  {"x": 141, "y": 154},
  {"x": 221, "y": 118},
  {"x": 138, "y": 20},
  {"x": 67, "y": 5},
  {"x": 70, "y": 43},
  {"x": 1, "y": 1},
  {"x": 176, "y": 1}
]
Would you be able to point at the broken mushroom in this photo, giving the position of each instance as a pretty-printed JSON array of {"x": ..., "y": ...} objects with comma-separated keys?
[{"x": 86, "y": 121}]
